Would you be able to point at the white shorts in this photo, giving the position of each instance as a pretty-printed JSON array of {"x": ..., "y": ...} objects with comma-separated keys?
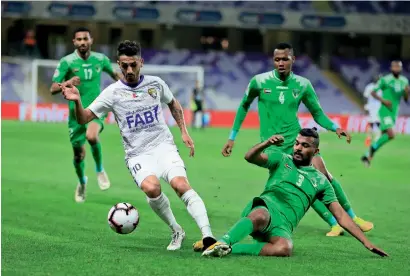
[
  {"x": 164, "y": 162},
  {"x": 373, "y": 116}
]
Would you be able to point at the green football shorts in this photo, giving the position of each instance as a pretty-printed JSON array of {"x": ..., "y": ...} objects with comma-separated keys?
[
  {"x": 78, "y": 132},
  {"x": 277, "y": 226}
]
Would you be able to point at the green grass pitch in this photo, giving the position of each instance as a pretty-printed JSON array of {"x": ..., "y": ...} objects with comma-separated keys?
[{"x": 44, "y": 232}]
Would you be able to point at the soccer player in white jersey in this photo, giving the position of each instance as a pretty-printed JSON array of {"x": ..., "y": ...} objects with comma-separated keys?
[
  {"x": 150, "y": 151},
  {"x": 372, "y": 107}
]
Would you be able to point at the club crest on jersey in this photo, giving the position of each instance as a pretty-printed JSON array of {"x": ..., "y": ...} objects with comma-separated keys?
[
  {"x": 296, "y": 92},
  {"x": 152, "y": 92},
  {"x": 98, "y": 68},
  {"x": 267, "y": 90}
]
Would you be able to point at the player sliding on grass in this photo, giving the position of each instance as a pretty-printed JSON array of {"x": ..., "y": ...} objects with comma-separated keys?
[
  {"x": 279, "y": 94},
  {"x": 150, "y": 151},
  {"x": 83, "y": 68},
  {"x": 292, "y": 187},
  {"x": 393, "y": 87}
]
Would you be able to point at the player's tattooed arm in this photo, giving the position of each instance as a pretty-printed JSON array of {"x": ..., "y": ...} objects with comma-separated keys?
[
  {"x": 347, "y": 223},
  {"x": 178, "y": 114}
]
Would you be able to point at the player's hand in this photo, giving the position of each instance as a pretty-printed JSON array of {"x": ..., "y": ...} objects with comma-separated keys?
[
  {"x": 227, "y": 149},
  {"x": 189, "y": 143},
  {"x": 276, "y": 140},
  {"x": 376, "y": 250},
  {"x": 341, "y": 132},
  {"x": 387, "y": 103},
  {"x": 70, "y": 92}
]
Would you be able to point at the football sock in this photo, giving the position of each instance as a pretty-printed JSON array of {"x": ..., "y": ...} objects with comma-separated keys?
[
  {"x": 79, "y": 170},
  {"x": 248, "y": 249},
  {"x": 97, "y": 155},
  {"x": 377, "y": 145},
  {"x": 341, "y": 196},
  {"x": 324, "y": 213},
  {"x": 162, "y": 208},
  {"x": 196, "y": 208},
  {"x": 239, "y": 231}
]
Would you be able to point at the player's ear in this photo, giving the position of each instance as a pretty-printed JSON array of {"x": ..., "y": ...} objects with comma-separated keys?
[
  {"x": 317, "y": 151},
  {"x": 91, "y": 40},
  {"x": 142, "y": 62},
  {"x": 293, "y": 59}
]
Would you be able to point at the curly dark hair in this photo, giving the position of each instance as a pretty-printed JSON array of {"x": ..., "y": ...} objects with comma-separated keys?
[
  {"x": 310, "y": 132},
  {"x": 129, "y": 48}
]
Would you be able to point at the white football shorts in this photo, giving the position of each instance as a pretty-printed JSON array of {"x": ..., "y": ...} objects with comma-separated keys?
[
  {"x": 373, "y": 116},
  {"x": 164, "y": 162}
]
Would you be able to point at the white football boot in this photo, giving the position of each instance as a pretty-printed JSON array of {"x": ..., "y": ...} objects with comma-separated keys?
[
  {"x": 177, "y": 239},
  {"x": 79, "y": 195},
  {"x": 103, "y": 180}
]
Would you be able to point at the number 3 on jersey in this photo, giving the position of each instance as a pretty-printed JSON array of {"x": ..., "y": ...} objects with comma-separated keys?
[{"x": 88, "y": 73}]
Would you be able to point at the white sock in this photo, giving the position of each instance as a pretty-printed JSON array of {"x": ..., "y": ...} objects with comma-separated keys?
[
  {"x": 196, "y": 208},
  {"x": 162, "y": 208}
]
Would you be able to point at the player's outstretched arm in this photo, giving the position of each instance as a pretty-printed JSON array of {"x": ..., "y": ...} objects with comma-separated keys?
[
  {"x": 311, "y": 101},
  {"x": 56, "y": 87},
  {"x": 251, "y": 93},
  {"x": 178, "y": 115},
  {"x": 256, "y": 156},
  {"x": 347, "y": 223},
  {"x": 71, "y": 93}
]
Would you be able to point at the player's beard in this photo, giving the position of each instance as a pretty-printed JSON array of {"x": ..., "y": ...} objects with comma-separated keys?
[
  {"x": 396, "y": 74},
  {"x": 83, "y": 49},
  {"x": 304, "y": 161}
]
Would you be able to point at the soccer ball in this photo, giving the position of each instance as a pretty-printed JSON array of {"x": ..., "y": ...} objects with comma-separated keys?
[{"x": 123, "y": 218}]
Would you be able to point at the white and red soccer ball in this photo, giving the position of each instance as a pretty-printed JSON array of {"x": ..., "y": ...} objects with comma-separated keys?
[{"x": 123, "y": 218}]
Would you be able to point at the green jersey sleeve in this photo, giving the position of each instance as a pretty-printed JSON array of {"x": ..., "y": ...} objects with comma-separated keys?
[
  {"x": 107, "y": 67},
  {"x": 327, "y": 195},
  {"x": 61, "y": 71},
  {"x": 274, "y": 158},
  {"x": 251, "y": 93},
  {"x": 311, "y": 101},
  {"x": 379, "y": 85}
]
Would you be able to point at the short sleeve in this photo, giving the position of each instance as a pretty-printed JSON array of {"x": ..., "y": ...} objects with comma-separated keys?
[
  {"x": 274, "y": 158},
  {"x": 61, "y": 71},
  {"x": 327, "y": 195},
  {"x": 103, "y": 103},
  {"x": 107, "y": 66},
  {"x": 379, "y": 84},
  {"x": 165, "y": 95}
]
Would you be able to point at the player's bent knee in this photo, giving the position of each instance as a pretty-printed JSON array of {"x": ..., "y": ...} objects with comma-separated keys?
[
  {"x": 180, "y": 185},
  {"x": 282, "y": 249},
  {"x": 151, "y": 187},
  {"x": 260, "y": 218},
  {"x": 92, "y": 138}
]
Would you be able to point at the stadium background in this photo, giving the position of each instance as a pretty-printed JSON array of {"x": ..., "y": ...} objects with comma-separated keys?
[{"x": 339, "y": 47}]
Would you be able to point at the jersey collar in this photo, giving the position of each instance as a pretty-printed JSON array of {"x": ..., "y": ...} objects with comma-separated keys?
[
  {"x": 276, "y": 75},
  {"x": 77, "y": 55}
]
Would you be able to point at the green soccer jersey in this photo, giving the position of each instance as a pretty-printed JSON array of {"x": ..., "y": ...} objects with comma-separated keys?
[
  {"x": 89, "y": 71},
  {"x": 393, "y": 89},
  {"x": 292, "y": 190},
  {"x": 278, "y": 104}
]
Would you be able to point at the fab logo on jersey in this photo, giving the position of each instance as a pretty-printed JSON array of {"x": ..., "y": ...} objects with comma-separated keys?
[{"x": 142, "y": 119}]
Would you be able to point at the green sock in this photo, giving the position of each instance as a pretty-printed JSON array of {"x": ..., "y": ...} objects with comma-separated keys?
[
  {"x": 97, "y": 155},
  {"x": 79, "y": 170},
  {"x": 248, "y": 249},
  {"x": 340, "y": 194},
  {"x": 324, "y": 213},
  {"x": 238, "y": 232},
  {"x": 377, "y": 145}
]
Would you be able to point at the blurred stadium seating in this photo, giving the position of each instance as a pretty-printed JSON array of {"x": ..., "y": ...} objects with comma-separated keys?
[{"x": 338, "y": 61}]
